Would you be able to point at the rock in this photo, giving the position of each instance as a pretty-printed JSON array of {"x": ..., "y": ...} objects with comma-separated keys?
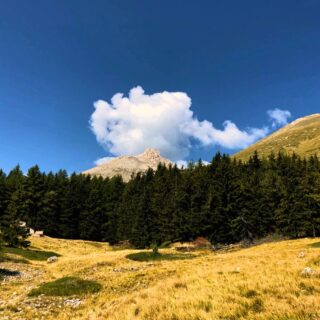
[
  {"x": 308, "y": 272},
  {"x": 134, "y": 269},
  {"x": 124, "y": 269},
  {"x": 301, "y": 254},
  {"x": 38, "y": 234},
  {"x": 52, "y": 259},
  {"x": 237, "y": 270},
  {"x": 73, "y": 303}
]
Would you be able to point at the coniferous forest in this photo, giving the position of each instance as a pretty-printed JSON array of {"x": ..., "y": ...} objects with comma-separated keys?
[{"x": 225, "y": 201}]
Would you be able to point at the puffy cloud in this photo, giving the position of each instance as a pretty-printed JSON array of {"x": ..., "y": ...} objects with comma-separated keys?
[
  {"x": 279, "y": 117},
  {"x": 182, "y": 163},
  {"x": 165, "y": 121},
  {"x": 103, "y": 160}
]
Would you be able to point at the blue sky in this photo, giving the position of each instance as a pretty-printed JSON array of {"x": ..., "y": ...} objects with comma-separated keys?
[{"x": 234, "y": 59}]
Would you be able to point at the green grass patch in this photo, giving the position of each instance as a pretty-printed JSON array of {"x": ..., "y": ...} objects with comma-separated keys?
[
  {"x": 315, "y": 245},
  {"x": 29, "y": 254},
  {"x": 150, "y": 256},
  {"x": 7, "y": 258},
  {"x": 67, "y": 286}
]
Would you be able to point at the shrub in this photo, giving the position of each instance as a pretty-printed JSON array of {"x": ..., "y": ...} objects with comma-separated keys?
[{"x": 202, "y": 243}]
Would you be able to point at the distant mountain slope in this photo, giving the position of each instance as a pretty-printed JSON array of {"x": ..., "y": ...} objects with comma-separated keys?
[
  {"x": 302, "y": 137},
  {"x": 128, "y": 165}
]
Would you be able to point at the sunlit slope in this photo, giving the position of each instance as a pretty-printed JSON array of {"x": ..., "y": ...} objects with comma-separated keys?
[
  {"x": 302, "y": 137},
  {"x": 262, "y": 282}
]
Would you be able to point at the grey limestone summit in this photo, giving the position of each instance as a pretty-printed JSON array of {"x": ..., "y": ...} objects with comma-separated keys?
[{"x": 125, "y": 166}]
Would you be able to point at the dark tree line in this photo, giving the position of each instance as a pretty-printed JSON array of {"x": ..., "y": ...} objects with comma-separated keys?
[{"x": 225, "y": 201}]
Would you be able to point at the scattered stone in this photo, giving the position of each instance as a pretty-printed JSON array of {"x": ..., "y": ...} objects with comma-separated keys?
[
  {"x": 134, "y": 269},
  {"x": 237, "y": 269},
  {"x": 10, "y": 273},
  {"x": 73, "y": 303},
  {"x": 123, "y": 269},
  {"x": 308, "y": 272},
  {"x": 52, "y": 259},
  {"x": 38, "y": 234},
  {"x": 301, "y": 255}
]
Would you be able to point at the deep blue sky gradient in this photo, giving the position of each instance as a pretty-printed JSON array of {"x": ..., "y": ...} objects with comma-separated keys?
[{"x": 235, "y": 59}]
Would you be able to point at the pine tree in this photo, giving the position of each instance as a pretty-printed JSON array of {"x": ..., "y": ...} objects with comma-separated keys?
[
  {"x": 32, "y": 194},
  {"x": 112, "y": 205},
  {"x": 142, "y": 223}
]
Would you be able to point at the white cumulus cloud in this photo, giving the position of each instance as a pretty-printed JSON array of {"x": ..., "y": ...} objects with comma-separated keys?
[
  {"x": 279, "y": 117},
  {"x": 165, "y": 121},
  {"x": 182, "y": 164}
]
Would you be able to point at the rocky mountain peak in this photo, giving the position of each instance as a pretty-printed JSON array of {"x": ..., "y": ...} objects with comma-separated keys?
[
  {"x": 126, "y": 166},
  {"x": 150, "y": 154}
]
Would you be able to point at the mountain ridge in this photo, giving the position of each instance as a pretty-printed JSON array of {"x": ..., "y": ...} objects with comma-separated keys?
[{"x": 301, "y": 136}]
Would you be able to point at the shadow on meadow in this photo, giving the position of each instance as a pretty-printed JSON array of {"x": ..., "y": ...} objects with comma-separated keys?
[{"x": 8, "y": 273}]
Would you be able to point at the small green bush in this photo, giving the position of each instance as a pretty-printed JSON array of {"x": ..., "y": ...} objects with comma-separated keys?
[
  {"x": 6, "y": 258},
  {"x": 67, "y": 286}
]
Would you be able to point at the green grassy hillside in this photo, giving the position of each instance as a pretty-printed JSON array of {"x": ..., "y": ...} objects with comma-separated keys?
[{"x": 302, "y": 137}]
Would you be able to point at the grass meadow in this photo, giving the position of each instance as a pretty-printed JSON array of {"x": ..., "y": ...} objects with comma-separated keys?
[{"x": 261, "y": 282}]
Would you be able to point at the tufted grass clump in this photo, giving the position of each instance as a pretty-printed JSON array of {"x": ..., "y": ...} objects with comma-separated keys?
[
  {"x": 257, "y": 305},
  {"x": 67, "y": 286},
  {"x": 249, "y": 293}
]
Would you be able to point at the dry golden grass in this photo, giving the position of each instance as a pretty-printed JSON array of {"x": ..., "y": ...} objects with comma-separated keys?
[
  {"x": 300, "y": 137},
  {"x": 262, "y": 282}
]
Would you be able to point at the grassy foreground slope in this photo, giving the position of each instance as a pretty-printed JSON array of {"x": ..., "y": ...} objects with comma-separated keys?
[
  {"x": 302, "y": 137},
  {"x": 262, "y": 282}
]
